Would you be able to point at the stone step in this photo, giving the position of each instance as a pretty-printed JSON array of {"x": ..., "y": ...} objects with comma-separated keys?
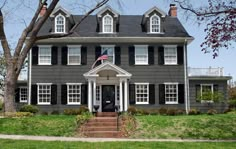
[
  {"x": 106, "y": 114},
  {"x": 94, "y": 124},
  {"x": 103, "y": 119},
  {"x": 104, "y": 128},
  {"x": 102, "y": 134}
]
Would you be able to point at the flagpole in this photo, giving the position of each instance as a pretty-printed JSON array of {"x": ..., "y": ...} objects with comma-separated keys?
[{"x": 94, "y": 63}]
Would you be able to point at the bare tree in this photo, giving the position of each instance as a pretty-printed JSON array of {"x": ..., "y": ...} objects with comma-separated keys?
[
  {"x": 15, "y": 60},
  {"x": 2, "y": 73},
  {"x": 220, "y": 16}
]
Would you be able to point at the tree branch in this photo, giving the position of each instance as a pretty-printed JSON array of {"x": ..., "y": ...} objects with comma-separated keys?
[
  {"x": 100, "y": 4},
  {"x": 4, "y": 42}
]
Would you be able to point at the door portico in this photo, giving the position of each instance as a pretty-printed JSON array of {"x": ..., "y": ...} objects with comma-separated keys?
[{"x": 104, "y": 75}]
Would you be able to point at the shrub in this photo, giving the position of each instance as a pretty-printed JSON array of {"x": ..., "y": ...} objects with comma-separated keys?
[
  {"x": 193, "y": 112},
  {"x": 18, "y": 114},
  {"x": 171, "y": 112},
  {"x": 71, "y": 112},
  {"x": 29, "y": 108},
  {"x": 180, "y": 112},
  {"x": 55, "y": 112},
  {"x": 162, "y": 111},
  {"x": 83, "y": 109},
  {"x": 44, "y": 113},
  {"x": 84, "y": 117},
  {"x": 228, "y": 110},
  {"x": 211, "y": 112},
  {"x": 232, "y": 103},
  {"x": 132, "y": 110},
  {"x": 153, "y": 112}
]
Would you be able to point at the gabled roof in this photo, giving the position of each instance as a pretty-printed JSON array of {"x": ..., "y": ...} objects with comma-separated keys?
[
  {"x": 157, "y": 9},
  {"x": 99, "y": 14},
  {"x": 107, "y": 66},
  {"x": 68, "y": 14}
]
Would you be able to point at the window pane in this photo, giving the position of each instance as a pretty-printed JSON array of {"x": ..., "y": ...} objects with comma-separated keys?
[
  {"x": 45, "y": 55},
  {"x": 170, "y": 55},
  {"x": 107, "y": 24},
  {"x": 171, "y": 95},
  {"x": 44, "y": 94},
  {"x": 155, "y": 24},
  {"x": 74, "y": 55},
  {"x": 74, "y": 94},
  {"x": 60, "y": 24},
  {"x": 110, "y": 53},
  {"x": 142, "y": 93},
  {"x": 141, "y": 55}
]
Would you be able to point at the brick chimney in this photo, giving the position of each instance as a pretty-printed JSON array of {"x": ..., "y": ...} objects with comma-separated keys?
[
  {"x": 173, "y": 10},
  {"x": 43, "y": 10}
]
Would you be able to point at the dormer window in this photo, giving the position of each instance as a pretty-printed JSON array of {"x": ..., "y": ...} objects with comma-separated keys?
[
  {"x": 60, "y": 24},
  {"x": 107, "y": 24},
  {"x": 155, "y": 24}
]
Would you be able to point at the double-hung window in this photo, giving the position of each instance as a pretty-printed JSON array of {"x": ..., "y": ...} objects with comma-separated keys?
[
  {"x": 155, "y": 24},
  {"x": 109, "y": 50},
  {"x": 44, "y": 94},
  {"x": 107, "y": 24},
  {"x": 171, "y": 93},
  {"x": 60, "y": 24},
  {"x": 23, "y": 94},
  {"x": 207, "y": 91},
  {"x": 74, "y": 93},
  {"x": 170, "y": 54},
  {"x": 142, "y": 93},
  {"x": 141, "y": 55},
  {"x": 45, "y": 55},
  {"x": 74, "y": 55}
]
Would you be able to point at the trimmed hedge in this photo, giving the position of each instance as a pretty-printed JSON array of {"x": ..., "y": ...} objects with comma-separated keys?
[{"x": 29, "y": 108}]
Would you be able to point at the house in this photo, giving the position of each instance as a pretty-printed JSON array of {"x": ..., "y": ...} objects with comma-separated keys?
[{"x": 146, "y": 65}]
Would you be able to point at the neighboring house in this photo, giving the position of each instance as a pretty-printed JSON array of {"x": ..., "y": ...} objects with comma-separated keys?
[{"x": 146, "y": 66}]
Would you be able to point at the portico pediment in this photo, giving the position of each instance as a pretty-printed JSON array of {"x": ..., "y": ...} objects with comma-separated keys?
[{"x": 107, "y": 66}]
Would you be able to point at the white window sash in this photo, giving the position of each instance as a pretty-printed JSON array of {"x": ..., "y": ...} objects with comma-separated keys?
[
  {"x": 63, "y": 25},
  {"x": 49, "y": 54},
  {"x": 176, "y": 93},
  {"x": 113, "y": 52},
  {"x": 156, "y": 25},
  {"x": 68, "y": 94},
  {"x": 76, "y": 55},
  {"x": 107, "y": 25},
  {"x": 147, "y": 93},
  {"x": 145, "y": 54},
  {"x": 50, "y": 93},
  {"x": 166, "y": 54}
]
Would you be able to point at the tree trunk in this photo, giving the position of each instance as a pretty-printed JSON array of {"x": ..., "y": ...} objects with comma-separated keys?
[{"x": 9, "y": 93}]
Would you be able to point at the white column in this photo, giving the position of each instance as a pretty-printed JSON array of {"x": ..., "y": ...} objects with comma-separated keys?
[
  {"x": 126, "y": 95},
  {"x": 94, "y": 93},
  {"x": 29, "y": 76},
  {"x": 89, "y": 95},
  {"x": 121, "y": 96}
]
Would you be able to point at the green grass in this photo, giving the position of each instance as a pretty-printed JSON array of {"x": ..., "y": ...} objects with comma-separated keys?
[
  {"x": 222, "y": 126},
  {"x": 9, "y": 144},
  {"x": 53, "y": 125}
]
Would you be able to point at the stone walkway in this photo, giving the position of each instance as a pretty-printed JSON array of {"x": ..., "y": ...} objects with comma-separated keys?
[{"x": 47, "y": 138}]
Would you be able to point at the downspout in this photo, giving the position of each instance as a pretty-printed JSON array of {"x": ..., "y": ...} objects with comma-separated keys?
[
  {"x": 186, "y": 78},
  {"x": 29, "y": 76}
]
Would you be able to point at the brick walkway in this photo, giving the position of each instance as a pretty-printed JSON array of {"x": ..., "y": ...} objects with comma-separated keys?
[{"x": 47, "y": 138}]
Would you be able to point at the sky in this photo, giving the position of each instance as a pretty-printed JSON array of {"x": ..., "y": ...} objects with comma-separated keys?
[{"x": 196, "y": 58}]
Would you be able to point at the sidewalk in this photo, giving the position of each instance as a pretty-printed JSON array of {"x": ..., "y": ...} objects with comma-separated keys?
[{"x": 47, "y": 138}]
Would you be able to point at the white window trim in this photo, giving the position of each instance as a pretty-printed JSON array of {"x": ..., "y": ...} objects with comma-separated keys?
[
  {"x": 73, "y": 103},
  {"x": 212, "y": 91},
  {"x": 45, "y": 46},
  {"x": 24, "y": 101},
  {"x": 103, "y": 23},
  {"x": 177, "y": 92},
  {"x": 176, "y": 60},
  {"x": 44, "y": 103},
  {"x": 109, "y": 46},
  {"x": 68, "y": 56},
  {"x": 142, "y": 103},
  {"x": 64, "y": 24},
  {"x": 140, "y": 46},
  {"x": 152, "y": 24}
]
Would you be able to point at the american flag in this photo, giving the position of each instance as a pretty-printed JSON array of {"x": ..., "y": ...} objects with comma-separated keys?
[{"x": 103, "y": 56}]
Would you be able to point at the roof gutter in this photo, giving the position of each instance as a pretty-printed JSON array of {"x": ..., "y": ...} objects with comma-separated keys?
[{"x": 108, "y": 40}]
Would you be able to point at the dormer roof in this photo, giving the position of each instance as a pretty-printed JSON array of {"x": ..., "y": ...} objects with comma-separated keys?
[
  {"x": 58, "y": 8},
  {"x": 163, "y": 14},
  {"x": 108, "y": 8}
]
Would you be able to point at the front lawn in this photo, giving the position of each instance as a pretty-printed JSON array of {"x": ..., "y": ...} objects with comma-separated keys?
[
  {"x": 222, "y": 126},
  {"x": 52, "y": 125},
  {"x": 9, "y": 144}
]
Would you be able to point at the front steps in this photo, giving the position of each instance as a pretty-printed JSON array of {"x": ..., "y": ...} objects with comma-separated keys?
[{"x": 104, "y": 125}]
